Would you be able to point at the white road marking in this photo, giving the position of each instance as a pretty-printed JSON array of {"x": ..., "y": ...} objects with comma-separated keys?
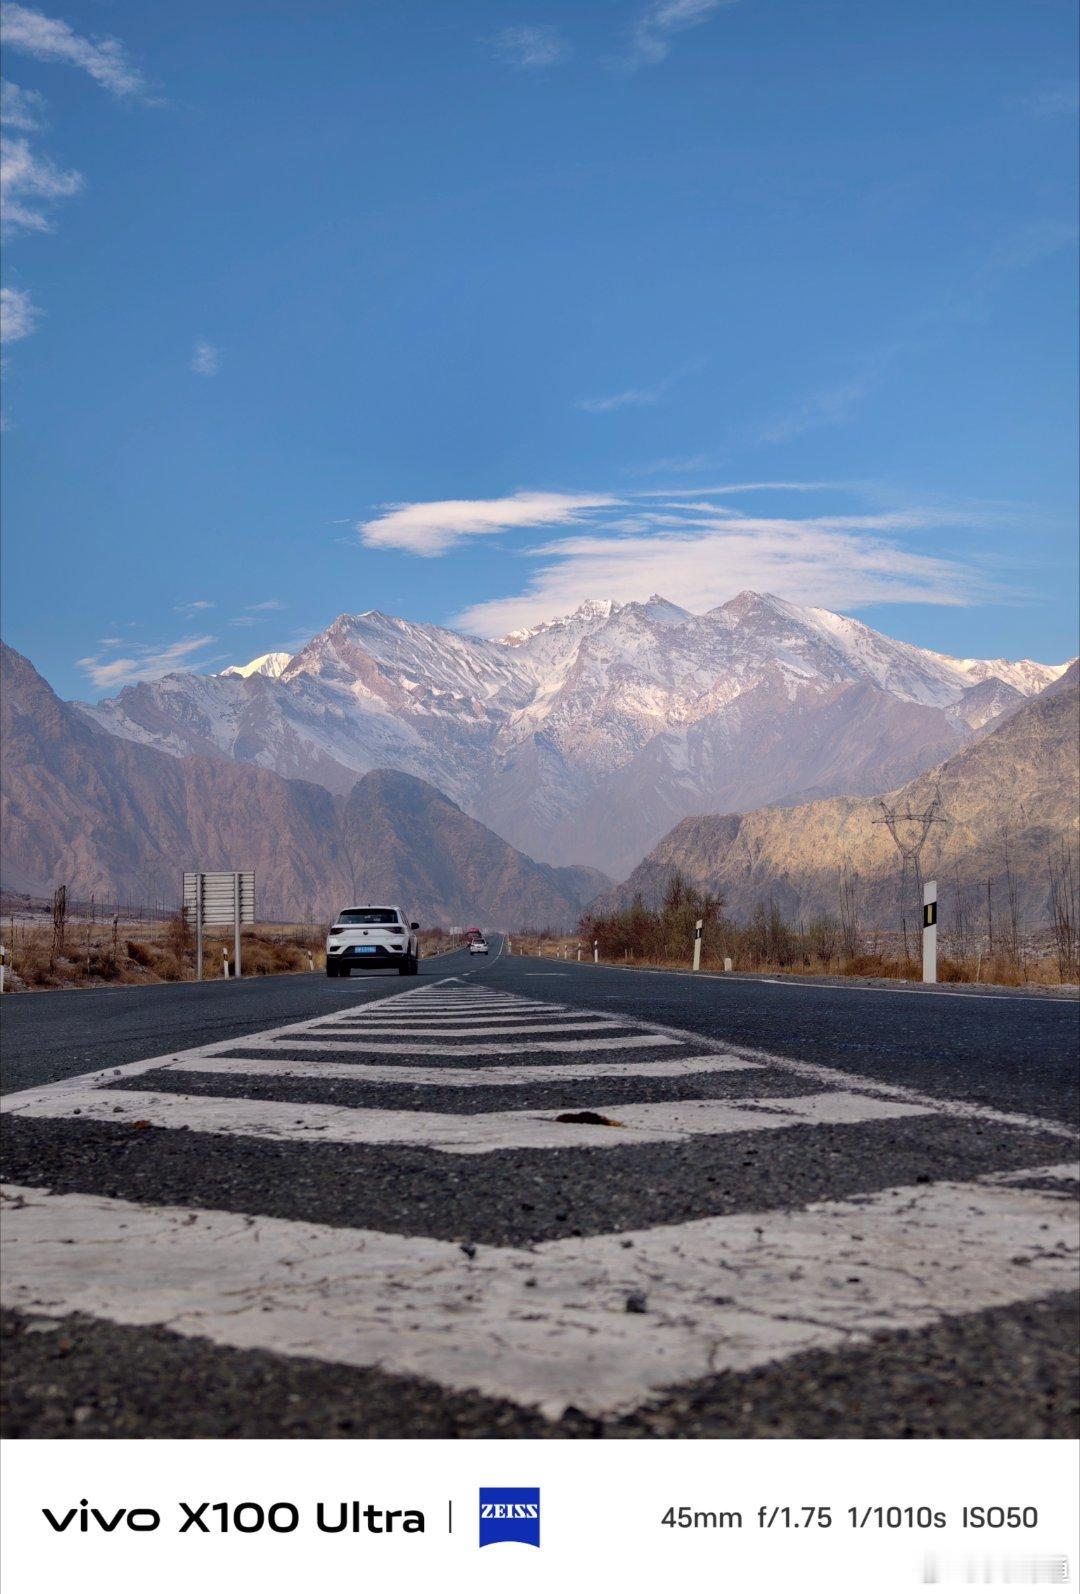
[
  {"x": 492, "y": 1028},
  {"x": 840, "y": 1079},
  {"x": 638, "y": 1123},
  {"x": 547, "y": 1326},
  {"x": 473, "y": 1048},
  {"x": 948, "y": 990},
  {"x": 386, "y": 1073}
]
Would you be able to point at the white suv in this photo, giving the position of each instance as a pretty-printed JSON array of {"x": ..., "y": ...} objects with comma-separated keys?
[{"x": 372, "y": 937}]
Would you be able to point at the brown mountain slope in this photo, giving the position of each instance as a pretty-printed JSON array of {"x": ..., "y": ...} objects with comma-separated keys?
[
  {"x": 110, "y": 817},
  {"x": 407, "y": 838},
  {"x": 1021, "y": 779}
]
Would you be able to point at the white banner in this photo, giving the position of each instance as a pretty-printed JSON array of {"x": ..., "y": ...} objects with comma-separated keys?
[{"x": 622, "y": 1515}]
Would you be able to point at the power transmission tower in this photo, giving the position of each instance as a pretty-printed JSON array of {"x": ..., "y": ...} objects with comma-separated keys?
[{"x": 910, "y": 831}]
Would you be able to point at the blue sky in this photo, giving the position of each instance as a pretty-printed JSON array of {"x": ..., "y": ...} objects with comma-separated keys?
[{"x": 469, "y": 311}]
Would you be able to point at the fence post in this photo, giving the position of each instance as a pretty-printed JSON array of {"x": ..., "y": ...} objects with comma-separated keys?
[
  {"x": 929, "y": 933},
  {"x": 697, "y": 945},
  {"x": 236, "y": 925},
  {"x": 198, "y": 925}
]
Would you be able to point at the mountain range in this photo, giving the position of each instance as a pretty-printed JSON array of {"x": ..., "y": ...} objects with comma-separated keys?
[
  {"x": 1007, "y": 802},
  {"x": 108, "y": 816},
  {"x": 491, "y": 781},
  {"x": 584, "y": 739}
]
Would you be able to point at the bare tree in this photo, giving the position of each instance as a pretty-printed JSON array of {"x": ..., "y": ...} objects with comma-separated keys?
[
  {"x": 1065, "y": 910},
  {"x": 959, "y": 917},
  {"x": 59, "y": 922},
  {"x": 1013, "y": 942},
  {"x": 849, "y": 911}
]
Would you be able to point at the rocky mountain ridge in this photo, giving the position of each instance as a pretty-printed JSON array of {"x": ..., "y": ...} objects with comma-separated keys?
[
  {"x": 585, "y": 738},
  {"x": 107, "y": 816},
  {"x": 1009, "y": 801}
]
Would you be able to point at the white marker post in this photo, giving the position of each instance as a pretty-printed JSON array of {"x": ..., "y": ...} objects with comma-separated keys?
[
  {"x": 697, "y": 945},
  {"x": 929, "y": 933},
  {"x": 596, "y": 951}
]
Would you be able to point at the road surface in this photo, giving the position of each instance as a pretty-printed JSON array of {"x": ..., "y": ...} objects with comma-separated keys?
[{"x": 525, "y": 1198}]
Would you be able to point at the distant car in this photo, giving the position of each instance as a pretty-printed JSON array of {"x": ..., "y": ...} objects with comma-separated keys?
[
  {"x": 372, "y": 936},
  {"x": 478, "y": 944}
]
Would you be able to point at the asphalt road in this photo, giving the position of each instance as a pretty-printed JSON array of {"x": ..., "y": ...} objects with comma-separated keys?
[{"x": 774, "y": 1208}]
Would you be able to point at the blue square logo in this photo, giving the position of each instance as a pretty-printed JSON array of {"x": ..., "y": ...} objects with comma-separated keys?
[{"x": 512, "y": 1514}]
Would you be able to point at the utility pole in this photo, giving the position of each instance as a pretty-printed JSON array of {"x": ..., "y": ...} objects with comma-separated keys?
[{"x": 909, "y": 831}]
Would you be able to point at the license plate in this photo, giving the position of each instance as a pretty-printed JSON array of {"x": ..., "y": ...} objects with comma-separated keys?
[{"x": 364, "y": 949}]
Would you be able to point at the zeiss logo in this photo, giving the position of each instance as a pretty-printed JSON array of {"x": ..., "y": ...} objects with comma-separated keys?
[{"x": 510, "y": 1514}]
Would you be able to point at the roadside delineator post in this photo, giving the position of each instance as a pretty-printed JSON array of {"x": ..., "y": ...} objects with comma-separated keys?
[
  {"x": 596, "y": 951},
  {"x": 728, "y": 965},
  {"x": 225, "y": 962},
  {"x": 697, "y": 945},
  {"x": 929, "y": 933}
]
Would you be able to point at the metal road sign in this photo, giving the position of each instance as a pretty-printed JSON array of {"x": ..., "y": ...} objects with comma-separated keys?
[{"x": 221, "y": 896}]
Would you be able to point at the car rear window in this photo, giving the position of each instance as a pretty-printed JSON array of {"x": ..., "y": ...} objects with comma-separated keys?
[{"x": 368, "y": 916}]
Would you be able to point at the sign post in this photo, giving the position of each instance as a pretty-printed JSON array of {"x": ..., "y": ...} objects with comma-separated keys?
[
  {"x": 929, "y": 933},
  {"x": 223, "y": 896},
  {"x": 697, "y": 945}
]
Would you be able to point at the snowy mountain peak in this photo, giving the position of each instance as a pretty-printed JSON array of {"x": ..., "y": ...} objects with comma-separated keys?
[
  {"x": 271, "y": 664},
  {"x": 584, "y": 737}
]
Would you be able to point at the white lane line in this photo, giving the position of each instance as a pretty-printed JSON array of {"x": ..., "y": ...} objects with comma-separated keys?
[
  {"x": 547, "y": 1326},
  {"x": 466, "y": 1133},
  {"x": 475, "y": 1048},
  {"x": 946, "y": 991},
  {"x": 386, "y": 1073},
  {"x": 840, "y": 1079}
]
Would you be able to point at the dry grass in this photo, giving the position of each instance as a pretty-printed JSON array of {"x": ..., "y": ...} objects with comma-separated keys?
[
  {"x": 129, "y": 954},
  {"x": 1038, "y": 969},
  {"x": 102, "y": 954}
]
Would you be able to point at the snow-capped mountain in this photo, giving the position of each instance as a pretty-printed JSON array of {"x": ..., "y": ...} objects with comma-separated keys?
[
  {"x": 585, "y": 738},
  {"x": 270, "y": 664}
]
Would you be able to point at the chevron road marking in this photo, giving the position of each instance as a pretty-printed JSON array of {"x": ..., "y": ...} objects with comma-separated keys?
[
  {"x": 548, "y": 1325},
  {"x": 388, "y": 1073},
  {"x": 635, "y": 1122}
]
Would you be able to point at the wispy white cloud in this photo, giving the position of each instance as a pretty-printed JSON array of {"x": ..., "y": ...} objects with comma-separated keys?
[
  {"x": 628, "y": 398},
  {"x": 827, "y": 406},
  {"x": 31, "y": 32},
  {"x": 432, "y": 528},
  {"x": 18, "y": 314},
  {"x": 205, "y": 358},
  {"x": 654, "y": 29},
  {"x": 27, "y": 182},
  {"x": 261, "y": 608},
  {"x": 21, "y": 108},
  {"x": 193, "y": 606},
  {"x": 534, "y": 46},
  {"x": 147, "y": 663},
  {"x": 1060, "y": 98},
  {"x": 699, "y": 555}
]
